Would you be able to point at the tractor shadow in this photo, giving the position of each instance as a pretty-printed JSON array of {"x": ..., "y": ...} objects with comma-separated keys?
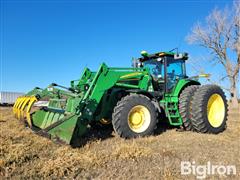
[
  {"x": 103, "y": 132},
  {"x": 96, "y": 132},
  {"x": 163, "y": 124}
]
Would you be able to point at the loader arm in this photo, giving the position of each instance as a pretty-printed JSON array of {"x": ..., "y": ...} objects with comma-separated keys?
[{"x": 70, "y": 110}]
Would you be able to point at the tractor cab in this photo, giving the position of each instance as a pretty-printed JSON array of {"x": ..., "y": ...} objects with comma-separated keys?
[{"x": 166, "y": 68}]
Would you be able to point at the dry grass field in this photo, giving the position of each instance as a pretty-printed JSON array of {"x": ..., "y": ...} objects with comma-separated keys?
[{"x": 103, "y": 155}]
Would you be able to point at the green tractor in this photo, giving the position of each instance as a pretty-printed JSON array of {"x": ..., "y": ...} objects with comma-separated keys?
[{"x": 131, "y": 99}]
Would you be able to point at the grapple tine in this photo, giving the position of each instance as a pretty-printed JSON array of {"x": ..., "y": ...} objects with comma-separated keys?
[
  {"x": 19, "y": 107},
  {"x": 22, "y": 108},
  {"x": 16, "y": 104},
  {"x": 32, "y": 100}
]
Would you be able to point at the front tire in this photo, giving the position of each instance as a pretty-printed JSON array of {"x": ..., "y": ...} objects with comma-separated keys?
[
  {"x": 134, "y": 116},
  {"x": 210, "y": 109}
]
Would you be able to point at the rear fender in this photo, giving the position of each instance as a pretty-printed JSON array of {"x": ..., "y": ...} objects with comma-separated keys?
[{"x": 182, "y": 84}]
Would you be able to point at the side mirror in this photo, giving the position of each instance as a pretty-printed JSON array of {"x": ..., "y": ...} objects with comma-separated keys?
[{"x": 136, "y": 63}]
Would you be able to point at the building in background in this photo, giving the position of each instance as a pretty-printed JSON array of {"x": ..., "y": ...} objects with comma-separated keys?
[{"x": 8, "y": 98}]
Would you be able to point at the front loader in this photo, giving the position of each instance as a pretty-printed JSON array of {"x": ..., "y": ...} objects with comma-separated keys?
[{"x": 132, "y": 99}]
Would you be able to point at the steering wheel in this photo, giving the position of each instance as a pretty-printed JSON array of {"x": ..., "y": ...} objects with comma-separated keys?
[{"x": 155, "y": 71}]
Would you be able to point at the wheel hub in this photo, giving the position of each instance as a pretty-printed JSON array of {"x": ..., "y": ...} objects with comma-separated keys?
[
  {"x": 136, "y": 118},
  {"x": 215, "y": 110},
  {"x": 139, "y": 118}
]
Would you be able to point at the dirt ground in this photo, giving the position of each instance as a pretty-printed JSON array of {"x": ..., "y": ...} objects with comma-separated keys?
[{"x": 103, "y": 155}]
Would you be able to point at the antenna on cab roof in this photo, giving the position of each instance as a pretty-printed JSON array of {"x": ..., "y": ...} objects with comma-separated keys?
[{"x": 174, "y": 50}]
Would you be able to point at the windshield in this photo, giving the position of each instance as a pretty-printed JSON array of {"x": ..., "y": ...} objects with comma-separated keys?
[
  {"x": 176, "y": 69},
  {"x": 175, "y": 72},
  {"x": 156, "y": 68}
]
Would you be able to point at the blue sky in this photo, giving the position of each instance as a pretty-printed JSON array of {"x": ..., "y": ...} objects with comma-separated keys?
[{"x": 52, "y": 41}]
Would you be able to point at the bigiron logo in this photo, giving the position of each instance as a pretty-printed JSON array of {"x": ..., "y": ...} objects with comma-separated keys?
[{"x": 202, "y": 171}]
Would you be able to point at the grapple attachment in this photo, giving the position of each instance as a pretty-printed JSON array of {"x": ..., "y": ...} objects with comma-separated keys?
[
  {"x": 50, "y": 112},
  {"x": 22, "y": 108}
]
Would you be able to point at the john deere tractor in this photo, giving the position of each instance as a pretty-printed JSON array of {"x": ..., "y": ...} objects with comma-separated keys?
[{"x": 131, "y": 99}]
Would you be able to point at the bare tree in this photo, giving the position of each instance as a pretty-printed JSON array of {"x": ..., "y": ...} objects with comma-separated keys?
[{"x": 221, "y": 36}]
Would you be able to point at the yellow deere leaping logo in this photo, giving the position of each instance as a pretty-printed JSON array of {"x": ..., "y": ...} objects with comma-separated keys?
[{"x": 131, "y": 75}]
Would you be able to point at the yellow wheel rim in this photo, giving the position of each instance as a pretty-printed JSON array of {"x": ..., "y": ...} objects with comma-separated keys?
[
  {"x": 215, "y": 110},
  {"x": 139, "y": 118}
]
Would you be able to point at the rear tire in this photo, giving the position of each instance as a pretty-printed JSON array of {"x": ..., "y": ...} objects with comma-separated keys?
[
  {"x": 134, "y": 116},
  {"x": 209, "y": 110},
  {"x": 185, "y": 105}
]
